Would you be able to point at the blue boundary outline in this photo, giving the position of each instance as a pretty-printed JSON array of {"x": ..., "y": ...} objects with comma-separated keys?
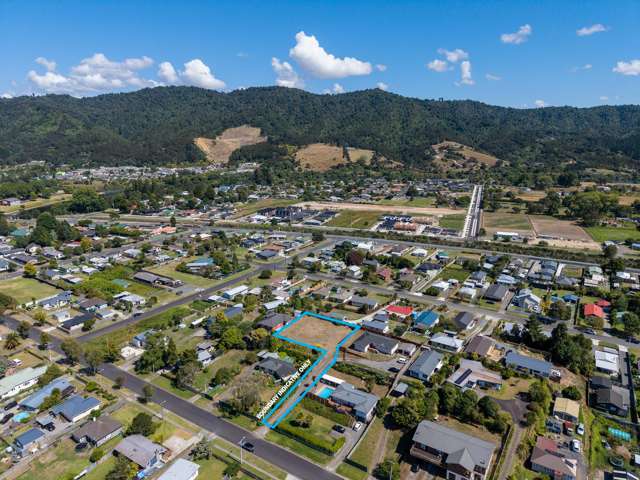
[{"x": 278, "y": 334}]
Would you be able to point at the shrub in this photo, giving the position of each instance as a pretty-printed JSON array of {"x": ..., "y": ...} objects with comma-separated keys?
[
  {"x": 310, "y": 439},
  {"x": 325, "y": 411}
]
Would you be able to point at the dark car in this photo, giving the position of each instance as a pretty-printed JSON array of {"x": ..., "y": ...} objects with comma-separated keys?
[
  {"x": 339, "y": 428},
  {"x": 415, "y": 468},
  {"x": 81, "y": 446},
  {"x": 10, "y": 405},
  {"x": 249, "y": 447},
  {"x": 6, "y": 418},
  {"x": 394, "y": 369}
]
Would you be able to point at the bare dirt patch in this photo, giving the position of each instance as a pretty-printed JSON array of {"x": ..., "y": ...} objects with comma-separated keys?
[
  {"x": 558, "y": 229},
  {"x": 219, "y": 149},
  {"x": 320, "y": 333},
  {"x": 320, "y": 157},
  {"x": 456, "y": 155},
  {"x": 381, "y": 208}
]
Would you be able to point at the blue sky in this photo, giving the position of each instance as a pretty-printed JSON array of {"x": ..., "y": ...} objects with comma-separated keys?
[{"x": 512, "y": 53}]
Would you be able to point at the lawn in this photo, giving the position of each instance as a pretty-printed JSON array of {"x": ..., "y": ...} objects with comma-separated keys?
[
  {"x": 363, "y": 454},
  {"x": 26, "y": 289},
  {"x": 298, "y": 448},
  {"x": 515, "y": 221},
  {"x": 169, "y": 270},
  {"x": 350, "y": 472},
  {"x": 101, "y": 471},
  {"x": 355, "y": 219},
  {"x": 601, "y": 234},
  {"x": 454, "y": 221},
  {"x": 232, "y": 452},
  {"x": 415, "y": 202},
  {"x": 166, "y": 384},
  {"x": 59, "y": 461},
  {"x": 454, "y": 271}
]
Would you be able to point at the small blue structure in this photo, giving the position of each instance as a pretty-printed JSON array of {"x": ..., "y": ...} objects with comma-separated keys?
[
  {"x": 426, "y": 320},
  {"x": 621, "y": 434}
]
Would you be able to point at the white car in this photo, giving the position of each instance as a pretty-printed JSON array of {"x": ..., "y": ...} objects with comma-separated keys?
[
  {"x": 402, "y": 360},
  {"x": 580, "y": 429},
  {"x": 357, "y": 426},
  {"x": 576, "y": 445}
]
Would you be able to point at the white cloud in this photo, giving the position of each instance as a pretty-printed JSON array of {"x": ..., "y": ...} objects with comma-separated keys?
[
  {"x": 493, "y": 78},
  {"x": 198, "y": 74},
  {"x": 6, "y": 95},
  {"x": 540, "y": 103},
  {"x": 381, "y": 67},
  {"x": 631, "y": 67},
  {"x": 465, "y": 74},
  {"x": 167, "y": 73},
  {"x": 586, "y": 66},
  {"x": 286, "y": 75},
  {"x": 604, "y": 98},
  {"x": 595, "y": 28},
  {"x": 335, "y": 90},
  {"x": 315, "y": 59},
  {"x": 438, "y": 65},
  {"x": 521, "y": 36},
  {"x": 50, "y": 65},
  {"x": 382, "y": 86},
  {"x": 453, "y": 56},
  {"x": 95, "y": 74}
]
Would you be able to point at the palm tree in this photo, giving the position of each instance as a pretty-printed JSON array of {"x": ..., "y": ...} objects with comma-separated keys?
[{"x": 12, "y": 341}]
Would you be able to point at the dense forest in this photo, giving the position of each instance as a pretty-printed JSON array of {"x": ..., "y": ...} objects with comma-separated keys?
[{"x": 157, "y": 126}]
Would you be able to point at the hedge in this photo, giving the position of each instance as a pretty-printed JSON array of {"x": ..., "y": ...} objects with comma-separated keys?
[
  {"x": 310, "y": 440},
  {"x": 325, "y": 411}
]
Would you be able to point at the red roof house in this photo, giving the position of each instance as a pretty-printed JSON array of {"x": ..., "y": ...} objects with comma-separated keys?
[
  {"x": 593, "y": 310},
  {"x": 603, "y": 303},
  {"x": 400, "y": 311}
]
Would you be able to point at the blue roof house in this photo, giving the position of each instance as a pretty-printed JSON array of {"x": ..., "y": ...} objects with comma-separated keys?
[
  {"x": 33, "y": 401},
  {"x": 76, "y": 408},
  {"x": 28, "y": 440},
  {"x": 425, "y": 320}
]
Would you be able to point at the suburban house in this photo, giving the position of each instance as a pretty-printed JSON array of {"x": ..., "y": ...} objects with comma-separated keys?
[
  {"x": 181, "y": 469},
  {"x": 425, "y": 321},
  {"x": 547, "y": 459},
  {"x": 154, "y": 279},
  {"x": 376, "y": 326},
  {"x": 277, "y": 368},
  {"x": 376, "y": 342},
  {"x": 24, "y": 379},
  {"x": 496, "y": 293},
  {"x": 362, "y": 404},
  {"x": 593, "y": 310},
  {"x": 426, "y": 365},
  {"x": 566, "y": 409},
  {"x": 481, "y": 345},
  {"x": 98, "y": 431},
  {"x": 55, "y": 301},
  {"x": 526, "y": 300},
  {"x": 531, "y": 366},
  {"x": 234, "y": 292},
  {"x": 75, "y": 323},
  {"x": 75, "y": 408},
  {"x": 140, "y": 450},
  {"x": 399, "y": 311},
  {"x": 471, "y": 374},
  {"x": 33, "y": 401},
  {"x": 447, "y": 342},
  {"x": 92, "y": 304},
  {"x": 465, "y": 320},
  {"x": 608, "y": 397},
  {"x": 607, "y": 361},
  {"x": 365, "y": 303},
  {"x": 273, "y": 321},
  {"x": 28, "y": 441},
  {"x": 461, "y": 455}
]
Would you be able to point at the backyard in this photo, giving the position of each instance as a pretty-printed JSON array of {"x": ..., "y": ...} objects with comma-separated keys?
[{"x": 26, "y": 289}]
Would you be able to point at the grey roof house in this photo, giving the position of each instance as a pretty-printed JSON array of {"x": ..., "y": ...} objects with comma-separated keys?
[
  {"x": 361, "y": 403},
  {"x": 98, "y": 431},
  {"x": 426, "y": 365},
  {"x": 376, "y": 342},
  {"x": 140, "y": 450}
]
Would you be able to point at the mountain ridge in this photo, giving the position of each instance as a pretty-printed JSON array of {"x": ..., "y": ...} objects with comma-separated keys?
[{"x": 158, "y": 126}]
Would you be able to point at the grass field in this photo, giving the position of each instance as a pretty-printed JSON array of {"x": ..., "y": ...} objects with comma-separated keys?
[
  {"x": 454, "y": 271},
  {"x": 298, "y": 448},
  {"x": 352, "y": 473},
  {"x": 24, "y": 289},
  {"x": 600, "y": 234},
  {"x": 455, "y": 222},
  {"x": 364, "y": 453},
  {"x": 355, "y": 219},
  {"x": 416, "y": 202},
  {"x": 169, "y": 270},
  {"x": 513, "y": 221},
  {"x": 320, "y": 157},
  {"x": 39, "y": 202}
]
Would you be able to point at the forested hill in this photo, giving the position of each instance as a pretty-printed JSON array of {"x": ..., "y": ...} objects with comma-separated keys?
[{"x": 157, "y": 126}]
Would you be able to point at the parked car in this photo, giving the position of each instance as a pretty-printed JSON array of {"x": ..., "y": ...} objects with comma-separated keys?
[
  {"x": 580, "y": 429},
  {"x": 394, "y": 369},
  {"x": 10, "y": 405},
  {"x": 590, "y": 331},
  {"x": 249, "y": 447},
  {"x": 576, "y": 445},
  {"x": 357, "y": 426},
  {"x": 339, "y": 428},
  {"x": 402, "y": 360},
  {"x": 81, "y": 446},
  {"x": 6, "y": 418}
]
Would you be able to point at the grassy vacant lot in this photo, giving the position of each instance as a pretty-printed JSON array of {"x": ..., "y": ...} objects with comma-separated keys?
[
  {"x": 298, "y": 447},
  {"x": 24, "y": 289},
  {"x": 510, "y": 221},
  {"x": 600, "y": 234},
  {"x": 166, "y": 384},
  {"x": 351, "y": 472},
  {"x": 233, "y": 453},
  {"x": 39, "y": 202},
  {"x": 364, "y": 453},
  {"x": 169, "y": 270},
  {"x": 355, "y": 219},
  {"x": 251, "y": 208},
  {"x": 454, "y": 271},
  {"x": 416, "y": 202},
  {"x": 455, "y": 221}
]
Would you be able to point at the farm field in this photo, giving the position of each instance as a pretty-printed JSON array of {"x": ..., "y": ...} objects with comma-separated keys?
[
  {"x": 24, "y": 289},
  {"x": 453, "y": 221},
  {"x": 39, "y": 202},
  {"x": 382, "y": 209},
  {"x": 601, "y": 234},
  {"x": 493, "y": 221},
  {"x": 415, "y": 202},
  {"x": 553, "y": 227}
]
